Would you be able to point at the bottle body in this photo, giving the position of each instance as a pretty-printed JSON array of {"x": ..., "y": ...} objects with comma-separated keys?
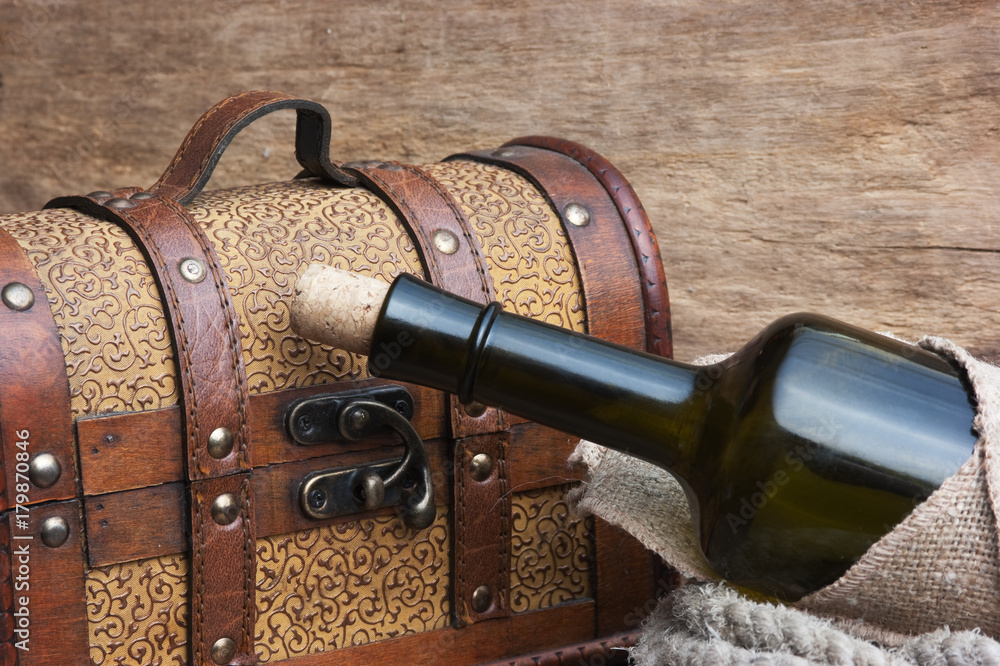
[{"x": 796, "y": 453}]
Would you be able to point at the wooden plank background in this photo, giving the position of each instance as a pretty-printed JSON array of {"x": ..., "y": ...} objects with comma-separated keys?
[{"x": 839, "y": 157}]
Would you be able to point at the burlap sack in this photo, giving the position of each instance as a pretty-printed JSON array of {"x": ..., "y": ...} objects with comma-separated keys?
[{"x": 938, "y": 568}]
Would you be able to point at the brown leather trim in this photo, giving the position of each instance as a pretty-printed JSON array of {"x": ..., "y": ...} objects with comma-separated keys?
[
  {"x": 649, "y": 263},
  {"x": 8, "y": 653},
  {"x": 202, "y": 317},
  {"x": 34, "y": 390},
  {"x": 613, "y": 300},
  {"x": 197, "y": 156},
  {"x": 482, "y": 510},
  {"x": 482, "y": 529},
  {"x": 602, "y": 651},
  {"x": 565, "y": 624},
  {"x": 223, "y": 571},
  {"x": 49, "y": 584},
  {"x": 427, "y": 209}
]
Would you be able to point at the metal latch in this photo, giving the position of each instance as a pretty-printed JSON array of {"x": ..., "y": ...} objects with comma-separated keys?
[{"x": 353, "y": 415}]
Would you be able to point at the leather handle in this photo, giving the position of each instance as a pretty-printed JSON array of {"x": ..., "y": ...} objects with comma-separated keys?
[{"x": 195, "y": 160}]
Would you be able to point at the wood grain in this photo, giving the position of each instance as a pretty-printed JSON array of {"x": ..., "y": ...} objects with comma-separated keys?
[{"x": 838, "y": 157}]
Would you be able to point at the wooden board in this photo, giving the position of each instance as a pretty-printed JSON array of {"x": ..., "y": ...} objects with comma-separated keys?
[{"x": 841, "y": 157}]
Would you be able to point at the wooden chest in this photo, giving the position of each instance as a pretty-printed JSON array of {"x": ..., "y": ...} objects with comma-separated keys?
[{"x": 153, "y": 508}]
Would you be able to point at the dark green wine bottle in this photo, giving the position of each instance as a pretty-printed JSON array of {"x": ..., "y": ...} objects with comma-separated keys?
[{"x": 796, "y": 453}]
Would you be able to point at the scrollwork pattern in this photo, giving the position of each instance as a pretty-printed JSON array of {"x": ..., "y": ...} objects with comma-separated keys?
[
  {"x": 526, "y": 249},
  {"x": 137, "y": 612},
  {"x": 551, "y": 550},
  {"x": 266, "y": 235},
  {"x": 350, "y": 584},
  {"x": 106, "y": 306}
]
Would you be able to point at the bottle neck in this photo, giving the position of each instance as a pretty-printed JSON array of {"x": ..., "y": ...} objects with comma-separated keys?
[{"x": 634, "y": 402}]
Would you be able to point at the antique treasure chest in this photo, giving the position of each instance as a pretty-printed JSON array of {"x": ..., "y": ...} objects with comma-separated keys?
[{"x": 187, "y": 481}]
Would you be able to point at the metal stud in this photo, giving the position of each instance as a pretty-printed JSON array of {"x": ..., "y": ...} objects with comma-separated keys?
[
  {"x": 192, "y": 270},
  {"x": 44, "y": 470},
  {"x": 55, "y": 531},
  {"x": 225, "y": 509},
  {"x": 481, "y": 467},
  {"x": 119, "y": 204},
  {"x": 100, "y": 194},
  {"x": 474, "y": 409},
  {"x": 482, "y": 597},
  {"x": 223, "y": 650},
  {"x": 359, "y": 419},
  {"x": 504, "y": 152},
  {"x": 445, "y": 241},
  {"x": 577, "y": 214},
  {"x": 142, "y": 196},
  {"x": 18, "y": 296},
  {"x": 220, "y": 443}
]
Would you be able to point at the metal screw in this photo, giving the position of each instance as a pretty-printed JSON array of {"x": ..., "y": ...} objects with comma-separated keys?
[
  {"x": 482, "y": 597},
  {"x": 225, "y": 509},
  {"x": 223, "y": 650},
  {"x": 445, "y": 241},
  {"x": 317, "y": 498},
  {"x": 577, "y": 214},
  {"x": 220, "y": 443},
  {"x": 481, "y": 467},
  {"x": 18, "y": 296},
  {"x": 402, "y": 407},
  {"x": 192, "y": 270},
  {"x": 358, "y": 419},
  {"x": 44, "y": 470},
  {"x": 55, "y": 531},
  {"x": 304, "y": 423}
]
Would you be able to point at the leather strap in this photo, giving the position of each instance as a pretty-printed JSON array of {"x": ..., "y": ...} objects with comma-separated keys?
[
  {"x": 455, "y": 262},
  {"x": 613, "y": 300},
  {"x": 481, "y": 574},
  {"x": 214, "y": 399},
  {"x": 195, "y": 160},
  {"x": 448, "y": 249},
  {"x": 202, "y": 318},
  {"x": 223, "y": 569},
  {"x": 649, "y": 263},
  {"x": 35, "y": 415}
]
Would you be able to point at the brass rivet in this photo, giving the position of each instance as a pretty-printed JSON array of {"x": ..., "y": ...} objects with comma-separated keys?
[
  {"x": 504, "y": 152},
  {"x": 18, "y": 296},
  {"x": 577, "y": 214},
  {"x": 225, "y": 509},
  {"x": 55, "y": 531},
  {"x": 223, "y": 650},
  {"x": 44, "y": 470},
  {"x": 481, "y": 467},
  {"x": 192, "y": 270},
  {"x": 119, "y": 204},
  {"x": 474, "y": 409},
  {"x": 445, "y": 241},
  {"x": 481, "y": 598},
  {"x": 220, "y": 443}
]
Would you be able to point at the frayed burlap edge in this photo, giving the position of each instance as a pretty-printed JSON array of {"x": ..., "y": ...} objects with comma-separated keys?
[{"x": 938, "y": 568}]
